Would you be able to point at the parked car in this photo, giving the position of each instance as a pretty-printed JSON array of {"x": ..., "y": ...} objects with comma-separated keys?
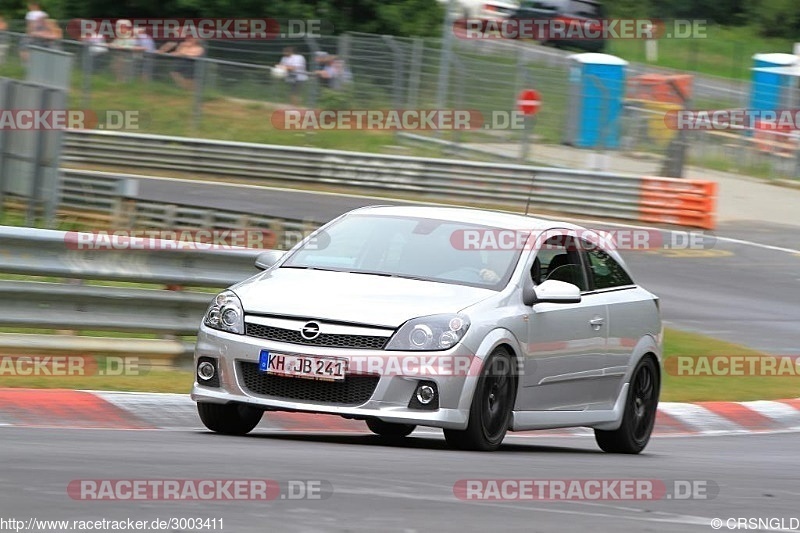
[
  {"x": 483, "y": 10},
  {"x": 525, "y": 324},
  {"x": 587, "y": 14}
]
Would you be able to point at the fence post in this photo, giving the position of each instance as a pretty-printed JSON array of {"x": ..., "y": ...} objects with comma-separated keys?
[
  {"x": 197, "y": 107},
  {"x": 397, "y": 60},
  {"x": 445, "y": 58},
  {"x": 315, "y": 89},
  {"x": 86, "y": 75},
  {"x": 414, "y": 75}
]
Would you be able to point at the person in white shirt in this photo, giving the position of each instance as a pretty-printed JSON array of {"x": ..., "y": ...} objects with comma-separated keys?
[
  {"x": 297, "y": 75},
  {"x": 34, "y": 28}
]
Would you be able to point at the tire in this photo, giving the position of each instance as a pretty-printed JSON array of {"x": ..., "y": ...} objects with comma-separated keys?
[
  {"x": 640, "y": 413},
  {"x": 388, "y": 429},
  {"x": 229, "y": 419},
  {"x": 492, "y": 403}
]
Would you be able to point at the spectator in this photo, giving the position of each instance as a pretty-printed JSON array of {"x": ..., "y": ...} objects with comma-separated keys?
[
  {"x": 97, "y": 43},
  {"x": 4, "y": 40},
  {"x": 322, "y": 62},
  {"x": 34, "y": 28},
  {"x": 295, "y": 65},
  {"x": 334, "y": 73},
  {"x": 341, "y": 75},
  {"x": 123, "y": 44},
  {"x": 144, "y": 41},
  {"x": 188, "y": 51},
  {"x": 148, "y": 46},
  {"x": 52, "y": 34}
]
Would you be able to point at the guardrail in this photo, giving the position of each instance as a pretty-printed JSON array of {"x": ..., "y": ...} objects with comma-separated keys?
[
  {"x": 682, "y": 202},
  {"x": 112, "y": 200},
  {"x": 78, "y": 300}
]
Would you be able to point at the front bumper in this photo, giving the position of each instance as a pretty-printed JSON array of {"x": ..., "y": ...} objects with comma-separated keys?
[{"x": 389, "y": 401}]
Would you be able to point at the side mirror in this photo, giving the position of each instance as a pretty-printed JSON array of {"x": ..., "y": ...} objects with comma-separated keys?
[
  {"x": 266, "y": 259},
  {"x": 551, "y": 291}
]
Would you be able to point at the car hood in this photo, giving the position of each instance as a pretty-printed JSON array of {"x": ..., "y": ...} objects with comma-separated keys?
[{"x": 348, "y": 297}]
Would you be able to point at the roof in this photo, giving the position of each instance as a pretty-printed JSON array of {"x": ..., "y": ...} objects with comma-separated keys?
[{"x": 468, "y": 215}]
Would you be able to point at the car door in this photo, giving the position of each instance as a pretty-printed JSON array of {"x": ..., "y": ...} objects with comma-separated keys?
[
  {"x": 565, "y": 351},
  {"x": 630, "y": 314}
]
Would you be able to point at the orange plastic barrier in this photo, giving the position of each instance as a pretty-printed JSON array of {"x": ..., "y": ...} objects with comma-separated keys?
[
  {"x": 678, "y": 201},
  {"x": 673, "y": 88}
]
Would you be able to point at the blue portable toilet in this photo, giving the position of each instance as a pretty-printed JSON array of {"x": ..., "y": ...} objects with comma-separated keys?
[
  {"x": 769, "y": 90},
  {"x": 597, "y": 92}
]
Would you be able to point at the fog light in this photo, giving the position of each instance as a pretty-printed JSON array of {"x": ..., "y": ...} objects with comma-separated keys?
[
  {"x": 206, "y": 370},
  {"x": 425, "y": 394}
]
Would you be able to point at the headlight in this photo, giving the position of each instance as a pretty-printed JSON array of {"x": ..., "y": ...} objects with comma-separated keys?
[
  {"x": 435, "y": 332},
  {"x": 225, "y": 313}
]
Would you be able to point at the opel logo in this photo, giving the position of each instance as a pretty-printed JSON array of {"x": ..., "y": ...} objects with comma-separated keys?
[{"x": 310, "y": 331}]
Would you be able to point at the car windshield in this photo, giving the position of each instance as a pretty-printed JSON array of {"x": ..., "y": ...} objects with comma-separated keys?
[{"x": 411, "y": 247}]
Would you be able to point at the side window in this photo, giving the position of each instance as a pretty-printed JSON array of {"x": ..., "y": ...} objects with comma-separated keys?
[
  {"x": 606, "y": 272},
  {"x": 559, "y": 259}
]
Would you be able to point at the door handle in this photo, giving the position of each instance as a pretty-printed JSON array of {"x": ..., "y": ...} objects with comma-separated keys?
[{"x": 596, "y": 322}]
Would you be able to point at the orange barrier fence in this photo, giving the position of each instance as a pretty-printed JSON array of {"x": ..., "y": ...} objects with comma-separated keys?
[{"x": 678, "y": 201}]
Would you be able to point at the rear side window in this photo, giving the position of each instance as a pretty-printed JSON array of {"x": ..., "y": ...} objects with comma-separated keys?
[{"x": 606, "y": 272}]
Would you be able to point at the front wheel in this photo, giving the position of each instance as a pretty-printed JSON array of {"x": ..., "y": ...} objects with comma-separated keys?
[
  {"x": 229, "y": 419},
  {"x": 490, "y": 411},
  {"x": 640, "y": 413},
  {"x": 389, "y": 430}
]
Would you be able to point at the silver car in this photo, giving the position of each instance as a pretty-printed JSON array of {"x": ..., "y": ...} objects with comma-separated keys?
[{"x": 472, "y": 321}]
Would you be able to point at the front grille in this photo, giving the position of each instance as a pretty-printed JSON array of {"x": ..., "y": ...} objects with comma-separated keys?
[
  {"x": 329, "y": 340},
  {"x": 353, "y": 390}
]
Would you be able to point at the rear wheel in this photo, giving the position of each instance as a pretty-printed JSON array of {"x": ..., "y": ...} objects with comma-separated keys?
[
  {"x": 388, "y": 429},
  {"x": 490, "y": 412},
  {"x": 640, "y": 413},
  {"x": 229, "y": 419}
]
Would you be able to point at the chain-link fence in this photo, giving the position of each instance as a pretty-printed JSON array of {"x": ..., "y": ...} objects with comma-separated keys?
[{"x": 385, "y": 72}]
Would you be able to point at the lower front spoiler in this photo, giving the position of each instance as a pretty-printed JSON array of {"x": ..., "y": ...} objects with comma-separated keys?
[{"x": 441, "y": 418}]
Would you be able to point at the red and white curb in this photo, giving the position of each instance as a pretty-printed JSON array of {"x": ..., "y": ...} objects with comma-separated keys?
[{"x": 134, "y": 410}]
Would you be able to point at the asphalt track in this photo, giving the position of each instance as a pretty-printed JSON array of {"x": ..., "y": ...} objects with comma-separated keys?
[
  {"x": 372, "y": 486},
  {"x": 745, "y": 288}
]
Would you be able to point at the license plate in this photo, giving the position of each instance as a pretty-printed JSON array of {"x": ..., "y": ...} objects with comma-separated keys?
[{"x": 303, "y": 366}]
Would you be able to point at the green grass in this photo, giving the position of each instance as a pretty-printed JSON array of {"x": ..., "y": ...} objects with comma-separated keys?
[
  {"x": 155, "y": 380},
  {"x": 725, "y": 51},
  {"x": 722, "y": 388},
  {"x": 675, "y": 388}
]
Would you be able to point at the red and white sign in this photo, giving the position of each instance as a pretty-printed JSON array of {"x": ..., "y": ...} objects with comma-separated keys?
[{"x": 529, "y": 102}]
